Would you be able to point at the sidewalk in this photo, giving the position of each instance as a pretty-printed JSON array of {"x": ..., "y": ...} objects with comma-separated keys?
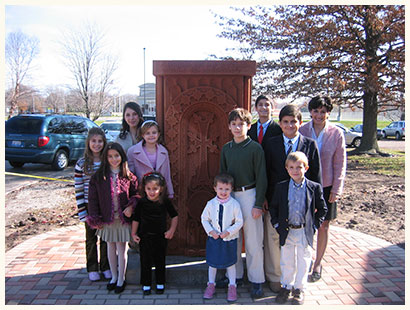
[{"x": 49, "y": 269}]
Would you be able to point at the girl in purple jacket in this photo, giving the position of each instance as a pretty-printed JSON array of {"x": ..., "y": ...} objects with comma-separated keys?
[
  {"x": 150, "y": 155},
  {"x": 112, "y": 199}
]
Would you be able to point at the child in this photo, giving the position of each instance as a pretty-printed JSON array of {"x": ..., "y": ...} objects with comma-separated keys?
[
  {"x": 222, "y": 220},
  {"x": 149, "y": 229},
  {"x": 150, "y": 155},
  {"x": 276, "y": 150},
  {"x": 261, "y": 131},
  {"x": 112, "y": 198},
  {"x": 244, "y": 159},
  {"x": 297, "y": 211},
  {"x": 84, "y": 169}
]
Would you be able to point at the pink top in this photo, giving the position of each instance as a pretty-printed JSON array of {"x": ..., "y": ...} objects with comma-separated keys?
[{"x": 332, "y": 155}]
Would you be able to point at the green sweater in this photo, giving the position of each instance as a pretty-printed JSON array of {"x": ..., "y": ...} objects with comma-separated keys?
[{"x": 245, "y": 161}]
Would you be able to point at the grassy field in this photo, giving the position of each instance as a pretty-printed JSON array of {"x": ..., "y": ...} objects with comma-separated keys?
[
  {"x": 350, "y": 124},
  {"x": 384, "y": 165}
]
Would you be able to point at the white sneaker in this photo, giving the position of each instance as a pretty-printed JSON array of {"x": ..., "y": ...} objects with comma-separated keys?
[
  {"x": 107, "y": 274},
  {"x": 94, "y": 276}
]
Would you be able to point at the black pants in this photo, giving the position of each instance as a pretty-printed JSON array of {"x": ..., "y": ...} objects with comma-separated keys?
[
  {"x": 152, "y": 253},
  {"x": 91, "y": 251}
]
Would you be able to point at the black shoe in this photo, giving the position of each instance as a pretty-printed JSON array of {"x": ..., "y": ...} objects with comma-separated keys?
[
  {"x": 146, "y": 292},
  {"x": 283, "y": 296},
  {"x": 224, "y": 282},
  {"x": 159, "y": 291},
  {"x": 111, "y": 286},
  {"x": 257, "y": 291},
  {"x": 120, "y": 289},
  {"x": 315, "y": 276},
  {"x": 298, "y": 297}
]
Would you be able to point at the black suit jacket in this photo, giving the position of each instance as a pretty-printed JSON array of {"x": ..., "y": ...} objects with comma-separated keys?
[
  {"x": 275, "y": 155},
  {"x": 272, "y": 131},
  {"x": 315, "y": 210}
]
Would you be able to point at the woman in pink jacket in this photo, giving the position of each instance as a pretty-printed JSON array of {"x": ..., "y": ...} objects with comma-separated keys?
[
  {"x": 331, "y": 143},
  {"x": 150, "y": 155}
]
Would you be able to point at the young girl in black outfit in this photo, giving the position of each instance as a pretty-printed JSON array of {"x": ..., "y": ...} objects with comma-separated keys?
[{"x": 149, "y": 229}]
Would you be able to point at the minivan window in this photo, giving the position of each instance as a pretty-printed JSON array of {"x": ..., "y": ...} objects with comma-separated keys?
[
  {"x": 23, "y": 125},
  {"x": 57, "y": 125},
  {"x": 77, "y": 126}
]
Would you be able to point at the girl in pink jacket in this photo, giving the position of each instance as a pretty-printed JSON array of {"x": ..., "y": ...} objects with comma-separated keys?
[{"x": 150, "y": 155}]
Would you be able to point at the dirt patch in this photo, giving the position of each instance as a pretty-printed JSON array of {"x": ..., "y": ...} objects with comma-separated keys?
[
  {"x": 371, "y": 203},
  {"x": 37, "y": 208}
]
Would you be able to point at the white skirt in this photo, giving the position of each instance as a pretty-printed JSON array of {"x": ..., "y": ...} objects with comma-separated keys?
[{"x": 115, "y": 232}]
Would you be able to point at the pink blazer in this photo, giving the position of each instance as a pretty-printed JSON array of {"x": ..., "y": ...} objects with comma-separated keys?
[
  {"x": 332, "y": 155},
  {"x": 139, "y": 164}
]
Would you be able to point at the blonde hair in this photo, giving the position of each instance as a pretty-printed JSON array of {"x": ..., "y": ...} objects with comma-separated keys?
[{"x": 297, "y": 156}]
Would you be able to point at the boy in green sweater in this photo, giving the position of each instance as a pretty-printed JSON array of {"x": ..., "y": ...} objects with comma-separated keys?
[{"x": 244, "y": 159}]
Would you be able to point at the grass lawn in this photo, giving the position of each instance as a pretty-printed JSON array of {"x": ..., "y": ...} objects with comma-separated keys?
[{"x": 384, "y": 165}]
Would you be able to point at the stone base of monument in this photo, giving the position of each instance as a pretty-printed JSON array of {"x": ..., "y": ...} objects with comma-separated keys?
[{"x": 179, "y": 270}]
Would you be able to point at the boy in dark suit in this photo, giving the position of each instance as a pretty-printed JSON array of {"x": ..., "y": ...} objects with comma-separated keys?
[
  {"x": 276, "y": 150},
  {"x": 297, "y": 211},
  {"x": 261, "y": 131}
]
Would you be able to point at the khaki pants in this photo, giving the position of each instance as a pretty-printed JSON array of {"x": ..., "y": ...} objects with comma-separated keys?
[
  {"x": 253, "y": 234},
  {"x": 271, "y": 251}
]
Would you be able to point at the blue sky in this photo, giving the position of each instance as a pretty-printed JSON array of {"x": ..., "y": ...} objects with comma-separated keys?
[{"x": 177, "y": 32}]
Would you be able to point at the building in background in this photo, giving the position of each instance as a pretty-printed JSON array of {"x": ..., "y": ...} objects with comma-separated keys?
[{"x": 146, "y": 98}]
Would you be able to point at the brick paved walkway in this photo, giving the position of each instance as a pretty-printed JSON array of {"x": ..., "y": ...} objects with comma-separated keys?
[{"x": 49, "y": 269}]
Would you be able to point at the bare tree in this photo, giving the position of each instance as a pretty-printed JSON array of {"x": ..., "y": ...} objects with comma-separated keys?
[
  {"x": 55, "y": 99},
  {"x": 21, "y": 50},
  {"x": 92, "y": 68}
]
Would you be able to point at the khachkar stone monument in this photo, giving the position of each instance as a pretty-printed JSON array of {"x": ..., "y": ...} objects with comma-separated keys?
[{"x": 193, "y": 99}]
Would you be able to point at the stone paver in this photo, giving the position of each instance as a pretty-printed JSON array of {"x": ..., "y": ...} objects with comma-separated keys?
[{"x": 49, "y": 269}]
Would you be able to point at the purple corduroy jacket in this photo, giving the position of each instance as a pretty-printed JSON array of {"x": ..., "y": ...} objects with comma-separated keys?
[{"x": 100, "y": 204}]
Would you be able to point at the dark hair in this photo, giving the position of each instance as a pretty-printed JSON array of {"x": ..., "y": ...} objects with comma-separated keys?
[
  {"x": 224, "y": 178},
  {"x": 240, "y": 113},
  {"x": 88, "y": 154},
  {"x": 159, "y": 179},
  {"x": 144, "y": 128},
  {"x": 125, "y": 127},
  {"x": 104, "y": 171},
  {"x": 320, "y": 101},
  {"x": 260, "y": 98},
  {"x": 290, "y": 110}
]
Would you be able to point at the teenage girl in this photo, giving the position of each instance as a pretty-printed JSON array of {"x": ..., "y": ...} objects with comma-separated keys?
[
  {"x": 84, "y": 169},
  {"x": 131, "y": 121},
  {"x": 112, "y": 198},
  {"x": 222, "y": 219},
  {"x": 149, "y": 229},
  {"x": 150, "y": 155}
]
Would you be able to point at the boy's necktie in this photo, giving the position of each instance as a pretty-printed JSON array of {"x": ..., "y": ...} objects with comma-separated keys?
[
  {"x": 260, "y": 136},
  {"x": 221, "y": 211},
  {"x": 290, "y": 144}
]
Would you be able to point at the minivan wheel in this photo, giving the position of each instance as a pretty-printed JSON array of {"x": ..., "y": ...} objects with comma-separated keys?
[
  {"x": 16, "y": 164},
  {"x": 398, "y": 136},
  {"x": 60, "y": 160},
  {"x": 356, "y": 142}
]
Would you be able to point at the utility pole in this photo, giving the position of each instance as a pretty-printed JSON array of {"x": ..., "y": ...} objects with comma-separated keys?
[{"x": 144, "y": 82}]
